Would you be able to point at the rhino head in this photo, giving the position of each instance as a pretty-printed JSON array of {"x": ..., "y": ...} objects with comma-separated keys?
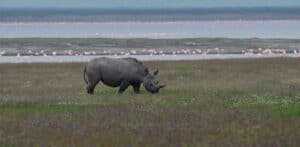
[{"x": 150, "y": 83}]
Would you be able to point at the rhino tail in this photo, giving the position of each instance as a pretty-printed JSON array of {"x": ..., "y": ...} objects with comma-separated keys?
[{"x": 84, "y": 75}]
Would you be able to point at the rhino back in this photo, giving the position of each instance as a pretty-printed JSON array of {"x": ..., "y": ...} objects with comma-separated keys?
[{"x": 114, "y": 71}]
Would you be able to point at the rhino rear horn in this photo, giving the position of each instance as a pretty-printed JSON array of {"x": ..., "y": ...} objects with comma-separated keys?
[{"x": 155, "y": 72}]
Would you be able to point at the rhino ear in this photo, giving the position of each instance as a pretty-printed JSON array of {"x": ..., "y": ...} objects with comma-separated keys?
[{"x": 155, "y": 72}]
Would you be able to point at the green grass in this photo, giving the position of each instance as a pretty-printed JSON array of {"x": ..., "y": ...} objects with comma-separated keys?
[
  {"x": 251, "y": 102},
  {"x": 183, "y": 68},
  {"x": 41, "y": 108},
  {"x": 260, "y": 100},
  {"x": 284, "y": 106}
]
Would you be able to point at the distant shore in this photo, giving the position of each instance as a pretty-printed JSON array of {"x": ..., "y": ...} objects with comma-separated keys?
[{"x": 147, "y": 15}]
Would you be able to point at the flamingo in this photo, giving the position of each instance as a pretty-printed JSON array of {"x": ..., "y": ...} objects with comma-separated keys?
[
  {"x": 70, "y": 52},
  {"x": 2, "y": 53},
  {"x": 199, "y": 51},
  {"x": 29, "y": 52},
  {"x": 127, "y": 54},
  {"x": 133, "y": 52},
  {"x": 87, "y": 53}
]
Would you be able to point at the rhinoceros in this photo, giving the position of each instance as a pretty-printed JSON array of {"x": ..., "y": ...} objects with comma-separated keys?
[{"x": 121, "y": 72}]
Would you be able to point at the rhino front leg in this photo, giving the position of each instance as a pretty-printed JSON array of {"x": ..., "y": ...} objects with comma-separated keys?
[
  {"x": 136, "y": 88},
  {"x": 124, "y": 85},
  {"x": 91, "y": 86}
]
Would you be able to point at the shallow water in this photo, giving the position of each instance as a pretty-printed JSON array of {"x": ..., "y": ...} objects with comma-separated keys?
[
  {"x": 62, "y": 59},
  {"x": 188, "y": 29}
]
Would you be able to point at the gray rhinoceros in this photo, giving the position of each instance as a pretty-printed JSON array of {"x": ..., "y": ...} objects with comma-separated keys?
[{"x": 121, "y": 72}]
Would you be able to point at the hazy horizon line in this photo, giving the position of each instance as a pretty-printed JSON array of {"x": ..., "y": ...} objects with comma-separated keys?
[{"x": 208, "y": 7}]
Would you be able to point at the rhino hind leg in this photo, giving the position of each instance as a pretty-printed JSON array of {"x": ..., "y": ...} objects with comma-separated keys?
[
  {"x": 92, "y": 82},
  {"x": 124, "y": 85}
]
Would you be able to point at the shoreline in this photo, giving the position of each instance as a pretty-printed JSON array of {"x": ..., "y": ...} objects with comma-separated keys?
[
  {"x": 17, "y": 47},
  {"x": 80, "y": 59}
]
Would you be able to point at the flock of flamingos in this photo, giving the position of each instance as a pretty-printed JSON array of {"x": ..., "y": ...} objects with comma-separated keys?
[{"x": 151, "y": 52}]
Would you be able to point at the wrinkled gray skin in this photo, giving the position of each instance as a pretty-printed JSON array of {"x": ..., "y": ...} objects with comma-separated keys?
[{"x": 123, "y": 72}]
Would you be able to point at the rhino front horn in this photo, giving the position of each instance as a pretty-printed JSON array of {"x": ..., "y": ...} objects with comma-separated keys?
[{"x": 162, "y": 86}]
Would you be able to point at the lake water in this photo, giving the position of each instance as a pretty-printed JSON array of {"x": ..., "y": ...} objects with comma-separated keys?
[
  {"x": 179, "y": 29},
  {"x": 62, "y": 59},
  {"x": 243, "y": 22}
]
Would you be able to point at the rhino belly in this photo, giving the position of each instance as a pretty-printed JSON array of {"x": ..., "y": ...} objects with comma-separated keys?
[
  {"x": 112, "y": 83},
  {"x": 112, "y": 80}
]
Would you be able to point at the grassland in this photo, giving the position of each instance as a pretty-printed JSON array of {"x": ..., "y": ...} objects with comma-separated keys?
[
  {"x": 206, "y": 103},
  {"x": 23, "y": 45}
]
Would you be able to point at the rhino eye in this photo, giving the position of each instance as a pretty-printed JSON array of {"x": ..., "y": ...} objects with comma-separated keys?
[{"x": 152, "y": 84}]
